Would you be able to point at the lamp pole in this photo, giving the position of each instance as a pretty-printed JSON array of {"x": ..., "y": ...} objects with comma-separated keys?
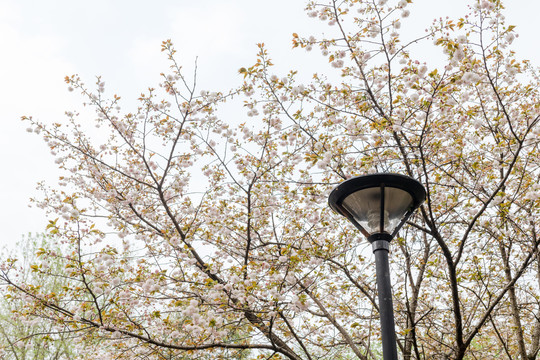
[
  {"x": 384, "y": 288},
  {"x": 379, "y": 205}
]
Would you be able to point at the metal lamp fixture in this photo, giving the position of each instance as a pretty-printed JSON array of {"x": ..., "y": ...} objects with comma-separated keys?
[{"x": 379, "y": 205}]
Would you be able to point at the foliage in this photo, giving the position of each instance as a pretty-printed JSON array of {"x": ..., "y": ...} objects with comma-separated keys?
[
  {"x": 192, "y": 234},
  {"x": 29, "y": 336}
]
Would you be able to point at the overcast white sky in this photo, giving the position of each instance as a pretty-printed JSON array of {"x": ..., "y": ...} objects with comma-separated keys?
[{"x": 43, "y": 41}]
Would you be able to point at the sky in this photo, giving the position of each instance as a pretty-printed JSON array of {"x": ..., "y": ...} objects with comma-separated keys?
[{"x": 43, "y": 41}]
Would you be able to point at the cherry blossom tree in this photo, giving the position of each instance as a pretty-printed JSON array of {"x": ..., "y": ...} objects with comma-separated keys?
[
  {"x": 28, "y": 336},
  {"x": 191, "y": 234}
]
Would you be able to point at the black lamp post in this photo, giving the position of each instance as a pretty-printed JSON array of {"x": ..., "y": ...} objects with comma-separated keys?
[{"x": 378, "y": 205}]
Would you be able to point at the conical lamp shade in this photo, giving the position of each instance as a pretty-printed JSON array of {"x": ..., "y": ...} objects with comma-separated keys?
[{"x": 377, "y": 203}]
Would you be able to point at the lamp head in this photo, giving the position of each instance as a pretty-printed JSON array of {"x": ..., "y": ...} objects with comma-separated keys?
[{"x": 377, "y": 204}]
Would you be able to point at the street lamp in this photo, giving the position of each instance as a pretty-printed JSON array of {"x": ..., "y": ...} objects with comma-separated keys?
[{"x": 379, "y": 205}]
